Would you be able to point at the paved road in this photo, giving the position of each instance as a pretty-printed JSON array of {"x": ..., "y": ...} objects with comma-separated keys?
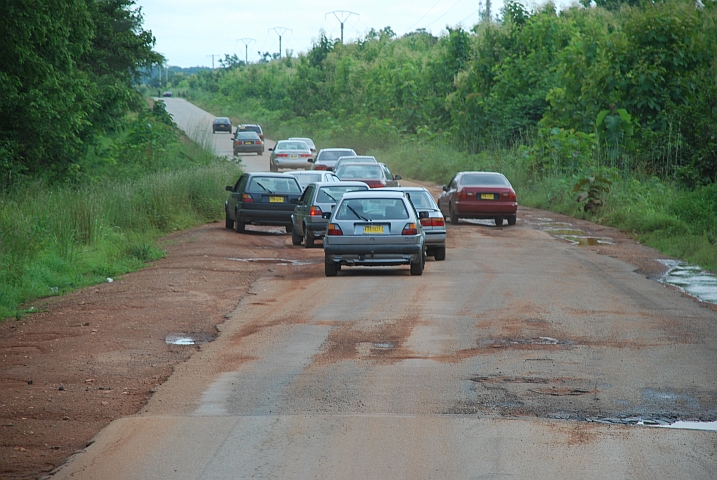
[
  {"x": 197, "y": 124},
  {"x": 518, "y": 357}
]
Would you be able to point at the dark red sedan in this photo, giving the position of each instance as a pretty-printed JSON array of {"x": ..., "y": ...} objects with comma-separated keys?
[{"x": 482, "y": 195}]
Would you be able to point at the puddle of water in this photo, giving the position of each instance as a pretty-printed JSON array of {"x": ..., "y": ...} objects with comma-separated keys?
[
  {"x": 584, "y": 240},
  {"x": 563, "y": 231},
  {"x": 711, "y": 426},
  {"x": 188, "y": 339},
  {"x": 384, "y": 345},
  {"x": 507, "y": 342},
  {"x": 691, "y": 279},
  {"x": 277, "y": 261}
]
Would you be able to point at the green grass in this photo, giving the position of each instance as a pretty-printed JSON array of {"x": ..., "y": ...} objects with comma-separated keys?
[{"x": 54, "y": 239}]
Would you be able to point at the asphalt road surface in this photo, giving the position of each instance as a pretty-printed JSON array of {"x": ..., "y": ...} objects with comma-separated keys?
[{"x": 518, "y": 357}]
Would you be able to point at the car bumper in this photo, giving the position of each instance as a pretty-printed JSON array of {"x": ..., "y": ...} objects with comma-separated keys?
[
  {"x": 249, "y": 149},
  {"x": 374, "y": 255},
  {"x": 265, "y": 217},
  {"x": 302, "y": 163},
  {"x": 485, "y": 209},
  {"x": 437, "y": 238}
]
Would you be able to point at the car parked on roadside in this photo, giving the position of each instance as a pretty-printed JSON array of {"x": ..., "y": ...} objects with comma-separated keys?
[
  {"x": 327, "y": 157},
  {"x": 310, "y": 216},
  {"x": 221, "y": 124},
  {"x": 375, "y": 175},
  {"x": 251, "y": 127},
  {"x": 482, "y": 195},
  {"x": 374, "y": 228},
  {"x": 307, "y": 141},
  {"x": 261, "y": 198},
  {"x": 289, "y": 154},
  {"x": 431, "y": 218},
  {"x": 247, "y": 142},
  {"x": 167, "y": 94},
  {"x": 306, "y": 177}
]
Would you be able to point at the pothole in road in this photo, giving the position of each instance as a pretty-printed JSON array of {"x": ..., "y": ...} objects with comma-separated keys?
[
  {"x": 280, "y": 261},
  {"x": 586, "y": 240},
  {"x": 516, "y": 342},
  {"x": 188, "y": 338},
  {"x": 691, "y": 279}
]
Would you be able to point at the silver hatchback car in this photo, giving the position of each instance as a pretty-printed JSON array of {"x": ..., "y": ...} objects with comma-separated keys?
[
  {"x": 432, "y": 220},
  {"x": 311, "y": 215},
  {"x": 374, "y": 228}
]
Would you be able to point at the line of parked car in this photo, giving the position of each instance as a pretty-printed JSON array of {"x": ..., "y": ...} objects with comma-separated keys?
[{"x": 356, "y": 206}]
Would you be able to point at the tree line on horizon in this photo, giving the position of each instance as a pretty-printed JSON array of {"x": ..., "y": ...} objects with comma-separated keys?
[{"x": 629, "y": 83}]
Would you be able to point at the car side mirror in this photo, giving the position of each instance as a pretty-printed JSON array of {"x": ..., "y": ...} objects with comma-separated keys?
[
  {"x": 423, "y": 214},
  {"x": 445, "y": 188},
  {"x": 311, "y": 160},
  {"x": 326, "y": 215},
  {"x": 397, "y": 177},
  {"x": 229, "y": 188},
  {"x": 270, "y": 149}
]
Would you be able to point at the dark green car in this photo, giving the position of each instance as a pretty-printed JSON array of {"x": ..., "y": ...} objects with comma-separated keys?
[{"x": 262, "y": 198}]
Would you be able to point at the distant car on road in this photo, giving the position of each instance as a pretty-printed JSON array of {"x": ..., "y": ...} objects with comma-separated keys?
[
  {"x": 327, "y": 157},
  {"x": 167, "y": 94},
  {"x": 308, "y": 141},
  {"x": 432, "y": 220},
  {"x": 482, "y": 195},
  {"x": 306, "y": 177},
  {"x": 374, "y": 228},
  {"x": 251, "y": 127},
  {"x": 247, "y": 142},
  {"x": 354, "y": 158},
  {"x": 221, "y": 124},
  {"x": 310, "y": 216},
  {"x": 289, "y": 154},
  {"x": 375, "y": 175},
  {"x": 261, "y": 199}
]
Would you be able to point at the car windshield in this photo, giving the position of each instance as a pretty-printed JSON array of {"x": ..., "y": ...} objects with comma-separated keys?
[
  {"x": 359, "y": 171},
  {"x": 292, "y": 146},
  {"x": 372, "y": 209},
  {"x": 334, "y": 194},
  {"x": 247, "y": 135},
  {"x": 273, "y": 185},
  {"x": 307, "y": 178},
  {"x": 421, "y": 199},
  {"x": 334, "y": 154},
  {"x": 484, "y": 179}
]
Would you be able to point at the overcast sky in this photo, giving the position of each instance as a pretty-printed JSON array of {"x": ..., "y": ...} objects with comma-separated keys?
[{"x": 188, "y": 32}]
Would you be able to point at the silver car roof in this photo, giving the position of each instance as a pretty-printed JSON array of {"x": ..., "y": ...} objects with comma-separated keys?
[{"x": 374, "y": 193}]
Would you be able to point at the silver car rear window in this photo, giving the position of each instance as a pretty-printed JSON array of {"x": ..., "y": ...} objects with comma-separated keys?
[
  {"x": 421, "y": 199},
  {"x": 372, "y": 209},
  {"x": 359, "y": 171}
]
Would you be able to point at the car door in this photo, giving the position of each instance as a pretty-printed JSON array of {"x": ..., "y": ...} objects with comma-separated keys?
[
  {"x": 236, "y": 194},
  {"x": 444, "y": 199},
  {"x": 302, "y": 208}
]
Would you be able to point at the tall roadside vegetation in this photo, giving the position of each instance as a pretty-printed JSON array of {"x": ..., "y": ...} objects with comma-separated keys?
[
  {"x": 624, "y": 92},
  {"x": 90, "y": 175}
]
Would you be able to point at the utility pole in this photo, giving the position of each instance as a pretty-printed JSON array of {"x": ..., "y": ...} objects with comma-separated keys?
[
  {"x": 341, "y": 16},
  {"x": 487, "y": 11},
  {"x": 246, "y": 42},
  {"x": 280, "y": 31},
  {"x": 213, "y": 55}
]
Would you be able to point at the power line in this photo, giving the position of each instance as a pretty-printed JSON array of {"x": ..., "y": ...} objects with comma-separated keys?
[
  {"x": 344, "y": 15},
  {"x": 445, "y": 13},
  {"x": 246, "y": 42},
  {"x": 424, "y": 16},
  {"x": 213, "y": 55},
  {"x": 280, "y": 31}
]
